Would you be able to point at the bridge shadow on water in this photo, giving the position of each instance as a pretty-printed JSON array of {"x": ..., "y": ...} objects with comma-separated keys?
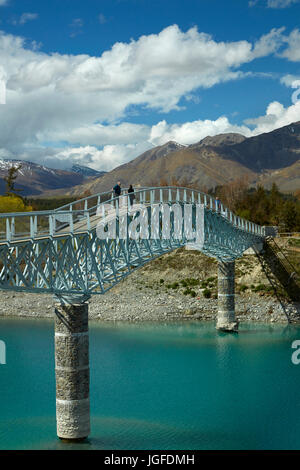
[{"x": 282, "y": 275}]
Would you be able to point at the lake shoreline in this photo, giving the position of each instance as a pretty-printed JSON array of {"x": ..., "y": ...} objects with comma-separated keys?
[{"x": 132, "y": 305}]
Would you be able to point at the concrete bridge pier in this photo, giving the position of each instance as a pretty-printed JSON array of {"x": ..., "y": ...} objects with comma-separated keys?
[
  {"x": 72, "y": 367},
  {"x": 226, "y": 320}
]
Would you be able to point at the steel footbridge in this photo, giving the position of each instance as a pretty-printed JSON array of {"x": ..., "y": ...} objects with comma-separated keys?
[{"x": 60, "y": 251}]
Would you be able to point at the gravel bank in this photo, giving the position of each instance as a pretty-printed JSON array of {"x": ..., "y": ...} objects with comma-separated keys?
[{"x": 127, "y": 303}]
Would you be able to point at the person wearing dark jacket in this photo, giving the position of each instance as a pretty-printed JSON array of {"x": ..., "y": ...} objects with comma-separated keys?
[
  {"x": 131, "y": 195},
  {"x": 117, "y": 189}
]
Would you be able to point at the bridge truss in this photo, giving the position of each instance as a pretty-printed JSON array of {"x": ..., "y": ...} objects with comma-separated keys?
[{"x": 60, "y": 251}]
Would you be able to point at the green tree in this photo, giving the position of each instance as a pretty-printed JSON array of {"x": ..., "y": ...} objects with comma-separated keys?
[
  {"x": 275, "y": 204},
  {"x": 10, "y": 180},
  {"x": 290, "y": 216}
]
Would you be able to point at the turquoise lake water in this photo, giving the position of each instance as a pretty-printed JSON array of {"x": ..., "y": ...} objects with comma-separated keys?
[{"x": 158, "y": 386}]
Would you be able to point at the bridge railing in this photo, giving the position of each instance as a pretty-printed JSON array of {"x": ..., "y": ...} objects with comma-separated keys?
[{"x": 82, "y": 215}]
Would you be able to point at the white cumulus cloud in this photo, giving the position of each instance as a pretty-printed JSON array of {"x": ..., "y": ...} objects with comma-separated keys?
[
  {"x": 62, "y": 107},
  {"x": 276, "y": 116},
  {"x": 292, "y": 52}
]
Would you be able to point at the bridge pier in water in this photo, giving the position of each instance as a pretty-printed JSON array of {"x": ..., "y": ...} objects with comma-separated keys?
[
  {"x": 72, "y": 368},
  {"x": 226, "y": 320}
]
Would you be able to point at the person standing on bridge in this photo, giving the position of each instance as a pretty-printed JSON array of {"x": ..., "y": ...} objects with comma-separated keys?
[
  {"x": 117, "y": 189},
  {"x": 131, "y": 195}
]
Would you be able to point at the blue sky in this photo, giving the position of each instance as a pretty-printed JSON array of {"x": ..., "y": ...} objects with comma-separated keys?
[{"x": 99, "y": 82}]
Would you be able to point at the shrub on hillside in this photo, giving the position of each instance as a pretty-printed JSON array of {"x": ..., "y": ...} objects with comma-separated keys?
[{"x": 13, "y": 204}]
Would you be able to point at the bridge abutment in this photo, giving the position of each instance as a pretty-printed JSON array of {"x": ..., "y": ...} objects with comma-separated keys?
[
  {"x": 226, "y": 320},
  {"x": 72, "y": 370}
]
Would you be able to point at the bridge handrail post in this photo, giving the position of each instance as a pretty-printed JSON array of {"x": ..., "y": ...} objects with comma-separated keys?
[
  {"x": 8, "y": 232},
  {"x": 51, "y": 224},
  {"x": 71, "y": 222},
  {"x": 88, "y": 222},
  {"x": 33, "y": 226},
  {"x": 161, "y": 197},
  {"x": 12, "y": 227},
  {"x": 117, "y": 207},
  {"x": 152, "y": 196}
]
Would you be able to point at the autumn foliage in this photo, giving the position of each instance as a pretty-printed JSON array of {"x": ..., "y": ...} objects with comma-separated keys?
[{"x": 13, "y": 204}]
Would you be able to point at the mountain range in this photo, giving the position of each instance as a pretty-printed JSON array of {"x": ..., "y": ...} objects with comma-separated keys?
[
  {"x": 35, "y": 180},
  {"x": 263, "y": 159}
]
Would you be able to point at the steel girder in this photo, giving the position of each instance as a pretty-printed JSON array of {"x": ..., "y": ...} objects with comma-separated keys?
[{"x": 83, "y": 264}]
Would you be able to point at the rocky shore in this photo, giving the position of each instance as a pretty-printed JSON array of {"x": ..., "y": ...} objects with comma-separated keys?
[
  {"x": 127, "y": 303},
  {"x": 143, "y": 306},
  {"x": 177, "y": 286}
]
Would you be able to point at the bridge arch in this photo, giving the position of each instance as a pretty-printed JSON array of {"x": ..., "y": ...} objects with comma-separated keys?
[{"x": 61, "y": 253}]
